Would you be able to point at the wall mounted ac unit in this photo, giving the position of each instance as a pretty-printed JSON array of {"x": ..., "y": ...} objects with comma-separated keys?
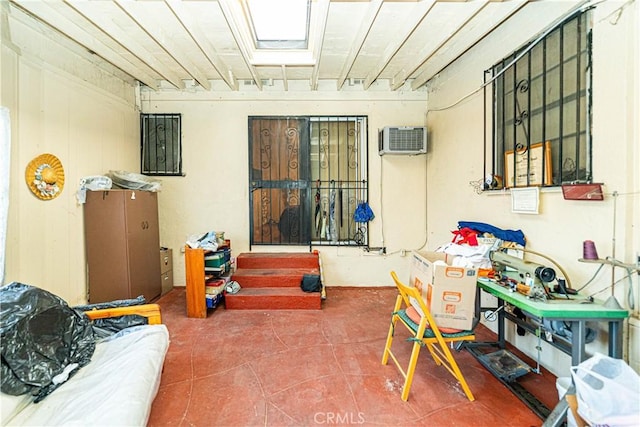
[{"x": 408, "y": 140}]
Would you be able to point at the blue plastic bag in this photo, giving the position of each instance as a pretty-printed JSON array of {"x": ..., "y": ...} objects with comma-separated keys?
[{"x": 363, "y": 213}]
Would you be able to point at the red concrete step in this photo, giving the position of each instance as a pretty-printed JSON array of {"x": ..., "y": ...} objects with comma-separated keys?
[
  {"x": 271, "y": 281},
  {"x": 277, "y": 260},
  {"x": 271, "y": 277},
  {"x": 273, "y": 299}
]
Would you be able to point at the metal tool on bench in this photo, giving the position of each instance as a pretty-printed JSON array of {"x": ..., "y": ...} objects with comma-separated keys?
[{"x": 535, "y": 277}]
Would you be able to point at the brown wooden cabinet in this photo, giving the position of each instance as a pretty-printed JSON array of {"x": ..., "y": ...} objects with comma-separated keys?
[{"x": 122, "y": 242}]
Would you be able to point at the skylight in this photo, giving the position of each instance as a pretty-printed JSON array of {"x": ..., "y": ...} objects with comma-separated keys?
[{"x": 280, "y": 24}]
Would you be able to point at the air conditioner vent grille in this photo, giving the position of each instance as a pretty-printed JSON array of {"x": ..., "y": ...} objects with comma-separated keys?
[
  {"x": 403, "y": 140},
  {"x": 406, "y": 139}
]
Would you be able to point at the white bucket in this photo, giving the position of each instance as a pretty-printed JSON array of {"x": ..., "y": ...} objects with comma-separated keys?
[{"x": 563, "y": 384}]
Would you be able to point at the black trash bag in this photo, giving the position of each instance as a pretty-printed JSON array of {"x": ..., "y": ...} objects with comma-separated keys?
[
  {"x": 140, "y": 300},
  {"x": 103, "y": 328},
  {"x": 40, "y": 337}
]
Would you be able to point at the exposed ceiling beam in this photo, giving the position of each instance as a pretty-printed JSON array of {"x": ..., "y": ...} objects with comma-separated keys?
[
  {"x": 5, "y": 34},
  {"x": 124, "y": 40},
  {"x": 426, "y": 54},
  {"x": 356, "y": 46},
  {"x": 319, "y": 30},
  {"x": 233, "y": 17},
  {"x": 75, "y": 31},
  {"x": 425, "y": 76},
  {"x": 413, "y": 20},
  {"x": 200, "y": 39},
  {"x": 158, "y": 35}
]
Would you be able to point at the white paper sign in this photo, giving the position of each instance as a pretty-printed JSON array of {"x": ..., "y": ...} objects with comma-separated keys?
[{"x": 525, "y": 200}]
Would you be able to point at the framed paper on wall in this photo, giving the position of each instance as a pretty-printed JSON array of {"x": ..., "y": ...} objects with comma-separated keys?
[{"x": 534, "y": 163}]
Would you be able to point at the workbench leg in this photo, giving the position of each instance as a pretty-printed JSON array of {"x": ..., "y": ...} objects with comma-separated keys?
[
  {"x": 578, "y": 341},
  {"x": 501, "y": 320},
  {"x": 615, "y": 339}
]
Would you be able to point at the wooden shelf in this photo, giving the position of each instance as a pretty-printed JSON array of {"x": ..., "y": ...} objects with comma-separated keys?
[
  {"x": 194, "y": 265},
  {"x": 196, "y": 278}
]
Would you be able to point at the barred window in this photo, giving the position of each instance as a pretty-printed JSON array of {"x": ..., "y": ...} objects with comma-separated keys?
[
  {"x": 339, "y": 179},
  {"x": 541, "y": 109},
  {"x": 161, "y": 144},
  {"x": 308, "y": 175}
]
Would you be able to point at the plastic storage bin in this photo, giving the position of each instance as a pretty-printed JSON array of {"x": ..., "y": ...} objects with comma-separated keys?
[{"x": 214, "y": 300}]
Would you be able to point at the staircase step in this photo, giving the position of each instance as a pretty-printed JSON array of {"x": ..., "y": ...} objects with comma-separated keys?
[
  {"x": 271, "y": 277},
  {"x": 273, "y": 299},
  {"x": 277, "y": 260},
  {"x": 271, "y": 281}
]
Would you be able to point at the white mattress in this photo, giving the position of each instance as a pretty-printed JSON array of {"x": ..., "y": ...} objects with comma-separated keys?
[{"x": 116, "y": 388}]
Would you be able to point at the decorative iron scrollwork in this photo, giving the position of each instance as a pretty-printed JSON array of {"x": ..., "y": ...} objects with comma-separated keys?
[
  {"x": 265, "y": 148},
  {"x": 293, "y": 141},
  {"x": 324, "y": 148}
]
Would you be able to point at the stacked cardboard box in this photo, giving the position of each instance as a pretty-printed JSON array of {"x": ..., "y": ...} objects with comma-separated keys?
[{"x": 448, "y": 291}]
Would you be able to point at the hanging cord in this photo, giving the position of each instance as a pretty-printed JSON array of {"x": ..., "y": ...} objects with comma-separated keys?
[
  {"x": 381, "y": 204},
  {"x": 592, "y": 278},
  {"x": 630, "y": 295}
]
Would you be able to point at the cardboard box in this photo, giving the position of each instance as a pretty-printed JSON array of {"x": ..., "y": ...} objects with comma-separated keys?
[
  {"x": 166, "y": 260},
  {"x": 449, "y": 292}
]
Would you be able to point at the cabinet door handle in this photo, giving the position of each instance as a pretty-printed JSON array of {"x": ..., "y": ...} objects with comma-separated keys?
[{"x": 144, "y": 225}]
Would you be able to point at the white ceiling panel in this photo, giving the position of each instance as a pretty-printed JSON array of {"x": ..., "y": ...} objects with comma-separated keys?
[{"x": 352, "y": 43}]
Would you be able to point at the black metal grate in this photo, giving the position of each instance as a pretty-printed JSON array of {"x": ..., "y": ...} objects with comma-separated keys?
[
  {"x": 161, "y": 144},
  {"x": 339, "y": 179},
  {"x": 307, "y": 177},
  {"x": 541, "y": 109}
]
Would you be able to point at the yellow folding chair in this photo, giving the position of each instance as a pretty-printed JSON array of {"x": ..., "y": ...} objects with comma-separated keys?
[{"x": 425, "y": 333}]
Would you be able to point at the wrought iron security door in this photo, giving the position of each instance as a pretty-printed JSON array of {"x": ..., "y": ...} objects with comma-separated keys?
[{"x": 279, "y": 180}]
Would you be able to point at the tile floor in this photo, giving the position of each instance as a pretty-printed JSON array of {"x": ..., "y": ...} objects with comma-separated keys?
[{"x": 307, "y": 367}]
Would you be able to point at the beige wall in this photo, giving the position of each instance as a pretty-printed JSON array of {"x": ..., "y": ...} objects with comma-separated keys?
[
  {"x": 90, "y": 127},
  {"x": 214, "y": 193},
  {"x": 561, "y": 227}
]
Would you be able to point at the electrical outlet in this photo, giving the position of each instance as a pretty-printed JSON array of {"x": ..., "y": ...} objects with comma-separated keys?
[{"x": 403, "y": 252}]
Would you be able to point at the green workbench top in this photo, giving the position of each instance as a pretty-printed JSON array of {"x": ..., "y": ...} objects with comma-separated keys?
[{"x": 555, "y": 309}]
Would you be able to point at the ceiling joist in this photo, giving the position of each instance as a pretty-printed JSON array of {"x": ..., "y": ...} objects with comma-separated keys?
[
  {"x": 233, "y": 17},
  {"x": 119, "y": 36},
  {"x": 424, "y": 55},
  {"x": 76, "y": 31},
  {"x": 318, "y": 31},
  {"x": 200, "y": 39},
  {"x": 156, "y": 32},
  {"x": 356, "y": 46},
  {"x": 455, "y": 53},
  {"x": 413, "y": 19},
  {"x": 178, "y": 43}
]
